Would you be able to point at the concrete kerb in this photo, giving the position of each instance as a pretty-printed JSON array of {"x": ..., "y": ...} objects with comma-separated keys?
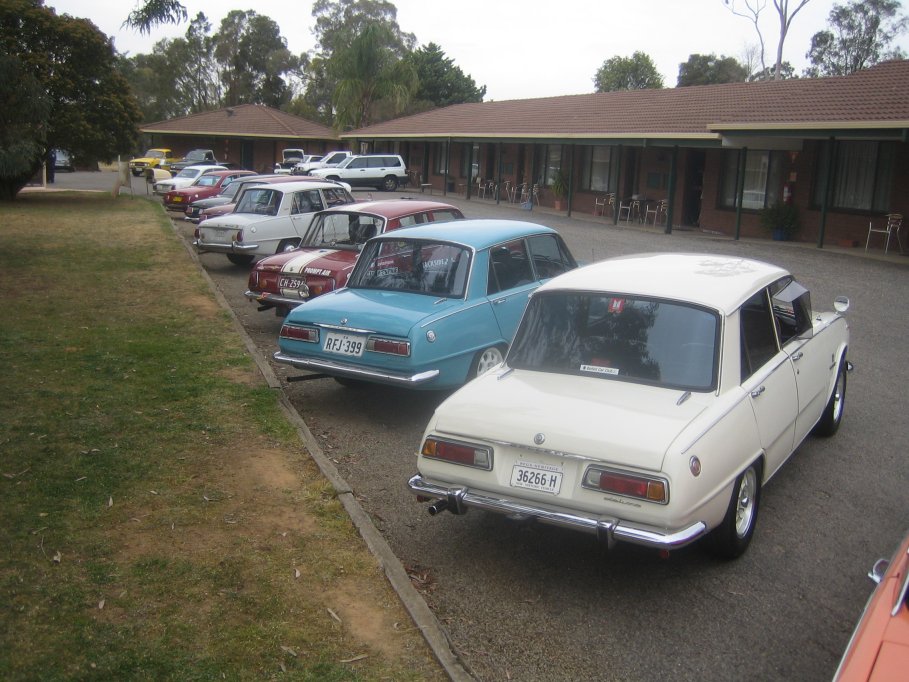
[{"x": 433, "y": 632}]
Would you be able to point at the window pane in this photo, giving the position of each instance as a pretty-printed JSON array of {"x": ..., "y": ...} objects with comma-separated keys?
[
  {"x": 757, "y": 166},
  {"x": 553, "y": 162},
  {"x": 595, "y": 168},
  {"x": 758, "y": 336}
]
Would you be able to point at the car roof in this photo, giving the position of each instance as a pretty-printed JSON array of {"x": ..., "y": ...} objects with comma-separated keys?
[
  {"x": 202, "y": 166},
  {"x": 391, "y": 208},
  {"x": 479, "y": 234},
  {"x": 243, "y": 173},
  {"x": 291, "y": 185},
  {"x": 720, "y": 282}
]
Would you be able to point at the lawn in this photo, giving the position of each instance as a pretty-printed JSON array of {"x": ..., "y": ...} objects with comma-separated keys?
[{"x": 159, "y": 517}]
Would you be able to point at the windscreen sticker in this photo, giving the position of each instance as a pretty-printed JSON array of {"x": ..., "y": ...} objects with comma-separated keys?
[
  {"x": 599, "y": 370},
  {"x": 616, "y": 305}
]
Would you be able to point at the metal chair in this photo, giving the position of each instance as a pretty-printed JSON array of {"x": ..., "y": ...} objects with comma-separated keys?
[
  {"x": 894, "y": 222},
  {"x": 601, "y": 203},
  {"x": 658, "y": 209},
  {"x": 631, "y": 207}
]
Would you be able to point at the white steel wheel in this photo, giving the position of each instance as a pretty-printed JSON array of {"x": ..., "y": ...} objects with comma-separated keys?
[
  {"x": 485, "y": 360},
  {"x": 731, "y": 538}
]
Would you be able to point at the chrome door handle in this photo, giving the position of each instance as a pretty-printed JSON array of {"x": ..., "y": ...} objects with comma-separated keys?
[
  {"x": 756, "y": 392},
  {"x": 500, "y": 300},
  {"x": 797, "y": 356}
]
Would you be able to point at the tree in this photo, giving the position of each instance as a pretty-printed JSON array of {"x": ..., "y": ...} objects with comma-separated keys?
[
  {"x": 150, "y": 13},
  {"x": 860, "y": 34},
  {"x": 637, "y": 72},
  {"x": 752, "y": 12},
  {"x": 337, "y": 25},
  {"x": 24, "y": 114},
  {"x": 787, "y": 71},
  {"x": 253, "y": 57},
  {"x": 92, "y": 112},
  {"x": 441, "y": 82},
  {"x": 709, "y": 70},
  {"x": 367, "y": 72}
]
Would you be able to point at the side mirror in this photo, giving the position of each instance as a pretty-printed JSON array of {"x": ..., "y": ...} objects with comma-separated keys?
[{"x": 841, "y": 304}]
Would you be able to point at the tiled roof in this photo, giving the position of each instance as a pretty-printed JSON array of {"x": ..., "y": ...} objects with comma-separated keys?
[
  {"x": 244, "y": 120},
  {"x": 875, "y": 98}
]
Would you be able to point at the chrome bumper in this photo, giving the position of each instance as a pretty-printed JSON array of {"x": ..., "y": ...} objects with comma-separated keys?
[
  {"x": 233, "y": 247},
  {"x": 610, "y": 530},
  {"x": 273, "y": 299},
  {"x": 341, "y": 369}
]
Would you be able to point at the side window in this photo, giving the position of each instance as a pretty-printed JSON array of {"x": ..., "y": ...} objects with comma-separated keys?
[
  {"x": 549, "y": 255},
  {"x": 791, "y": 309},
  {"x": 377, "y": 162},
  {"x": 359, "y": 163},
  {"x": 508, "y": 267},
  {"x": 444, "y": 216},
  {"x": 392, "y": 162},
  {"x": 758, "y": 340},
  {"x": 408, "y": 220},
  {"x": 306, "y": 202}
]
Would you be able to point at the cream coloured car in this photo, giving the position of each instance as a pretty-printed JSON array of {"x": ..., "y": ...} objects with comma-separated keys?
[{"x": 645, "y": 399}]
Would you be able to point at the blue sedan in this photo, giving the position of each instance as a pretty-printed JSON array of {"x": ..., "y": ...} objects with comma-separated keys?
[{"x": 426, "y": 307}]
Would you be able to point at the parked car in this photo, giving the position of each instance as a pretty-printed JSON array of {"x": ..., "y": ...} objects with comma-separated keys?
[
  {"x": 196, "y": 157},
  {"x": 268, "y": 218},
  {"x": 153, "y": 158},
  {"x": 879, "y": 647},
  {"x": 226, "y": 195},
  {"x": 329, "y": 249},
  {"x": 223, "y": 208},
  {"x": 382, "y": 171},
  {"x": 293, "y": 158},
  {"x": 645, "y": 399},
  {"x": 184, "y": 178},
  {"x": 426, "y": 307},
  {"x": 205, "y": 185},
  {"x": 63, "y": 161},
  {"x": 330, "y": 160}
]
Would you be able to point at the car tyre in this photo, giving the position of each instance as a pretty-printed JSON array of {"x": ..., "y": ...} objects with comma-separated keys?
[
  {"x": 389, "y": 184},
  {"x": 832, "y": 416},
  {"x": 485, "y": 360},
  {"x": 240, "y": 258},
  {"x": 731, "y": 538},
  {"x": 288, "y": 245}
]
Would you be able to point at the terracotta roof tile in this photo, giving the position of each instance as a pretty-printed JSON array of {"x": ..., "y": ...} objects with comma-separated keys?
[
  {"x": 876, "y": 97},
  {"x": 246, "y": 120}
]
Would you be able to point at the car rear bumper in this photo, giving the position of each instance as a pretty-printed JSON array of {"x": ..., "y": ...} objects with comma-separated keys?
[
  {"x": 610, "y": 530},
  {"x": 273, "y": 299},
  {"x": 341, "y": 369},
  {"x": 233, "y": 247}
]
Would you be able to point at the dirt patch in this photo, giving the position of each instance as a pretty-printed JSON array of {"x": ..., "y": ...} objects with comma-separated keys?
[
  {"x": 368, "y": 621},
  {"x": 245, "y": 376}
]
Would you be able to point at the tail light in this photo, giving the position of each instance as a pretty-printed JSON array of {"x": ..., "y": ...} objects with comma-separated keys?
[
  {"x": 299, "y": 333},
  {"x": 389, "y": 346},
  {"x": 197, "y": 233},
  {"x": 456, "y": 452},
  {"x": 239, "y": 237},
  {"x": 627, "y": 485}
]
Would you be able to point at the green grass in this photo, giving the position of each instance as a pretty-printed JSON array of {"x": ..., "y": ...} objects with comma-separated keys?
[{"x": 155, "y": 505}]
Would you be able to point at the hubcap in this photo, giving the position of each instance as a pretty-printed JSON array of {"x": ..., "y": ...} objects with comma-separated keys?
[
  {"x": 838, "y": 397},
  {"x": 744, "y": 511},
  {"x": 490, "y": 358}
]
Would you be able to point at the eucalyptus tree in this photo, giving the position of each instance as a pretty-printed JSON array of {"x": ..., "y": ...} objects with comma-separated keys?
[
  {"x": 859, "y": 35},
  {"x": 703, "y": 69},
  {"x": 637, "y": 72},
  {"x": 785, "y": 12}
]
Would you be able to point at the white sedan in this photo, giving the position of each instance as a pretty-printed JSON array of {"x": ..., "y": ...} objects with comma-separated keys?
[
  {"x": 644, "y": 399},
  {"x": 184, "y": 178}
]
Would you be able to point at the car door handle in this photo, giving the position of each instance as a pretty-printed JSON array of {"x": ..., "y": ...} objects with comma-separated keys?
[
  {"x": 757, "y": 392},
  {"x": 500, "y": 300},
  {"x": 797, "y": 356}
]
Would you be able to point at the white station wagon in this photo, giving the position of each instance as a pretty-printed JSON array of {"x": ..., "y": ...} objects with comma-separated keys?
[
  {"x": 268, "y": 219},
  {"x": 644, "y": 399}
]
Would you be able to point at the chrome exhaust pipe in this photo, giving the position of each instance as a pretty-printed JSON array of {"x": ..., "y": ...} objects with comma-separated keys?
[{"x": 438, "y": 506}]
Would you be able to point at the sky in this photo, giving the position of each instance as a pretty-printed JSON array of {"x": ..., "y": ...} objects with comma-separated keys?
[{"x": 520, "y": 49}]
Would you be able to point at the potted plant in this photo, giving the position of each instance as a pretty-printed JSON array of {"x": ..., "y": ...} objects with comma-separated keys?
[
  {"x": 559, "y": 188},
  {"x": 781, "y": 219}
]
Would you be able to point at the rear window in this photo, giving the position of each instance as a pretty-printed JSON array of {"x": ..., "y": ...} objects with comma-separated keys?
[
  {"x": 259, "y": 200},
  {"x": 618, "y": 337},
  {"x": 342, "y": 230}
]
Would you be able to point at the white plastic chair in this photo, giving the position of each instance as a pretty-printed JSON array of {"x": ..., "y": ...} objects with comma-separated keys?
[{"x": 893, "y": 224}]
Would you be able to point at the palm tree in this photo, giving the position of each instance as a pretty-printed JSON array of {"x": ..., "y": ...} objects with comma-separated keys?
[{"x": 368, "y": 71}]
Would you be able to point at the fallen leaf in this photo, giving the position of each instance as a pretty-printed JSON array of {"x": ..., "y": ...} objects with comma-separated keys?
[
  {"x": 296, "y": 573},
  {"x": 81, "y": 478},
  {"x": 58, "y": 558},
  {"x": 288, "y": 650},
  {"x": 333, "y": 615},
  {"x": 153, "y": 492},
  {"x": 101, "y": 605},
  {"x": 355, "y": 658},
  {"x": 110, "y": 502}
]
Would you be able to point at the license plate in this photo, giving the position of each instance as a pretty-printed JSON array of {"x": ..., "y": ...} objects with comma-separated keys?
[
  {"x": 542, "y": 477},
  {"x": 178, "y": 200},
  {"x": 344, "y": 344},
  {"x": 289, "y": 283}
]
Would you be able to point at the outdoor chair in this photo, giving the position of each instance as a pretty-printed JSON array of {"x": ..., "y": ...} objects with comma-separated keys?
[
  {"x": 631, "y": 207},
  {"x": 601, "y": 203},
  {"x": 893, "y": 224},
  {"x": 657, "y": 210}
]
